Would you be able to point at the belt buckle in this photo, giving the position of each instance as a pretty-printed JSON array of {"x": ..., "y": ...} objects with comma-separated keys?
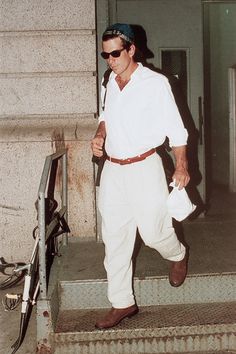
[{"x": 123, "y": 162}]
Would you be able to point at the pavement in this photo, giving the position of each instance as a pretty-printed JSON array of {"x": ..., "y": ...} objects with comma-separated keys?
[
  {"x": 9, "y": 324},
  {"x": 212, "y": 245}
]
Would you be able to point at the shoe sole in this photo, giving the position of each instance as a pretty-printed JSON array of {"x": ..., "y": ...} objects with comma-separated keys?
[{"x": 177, "y": 285}]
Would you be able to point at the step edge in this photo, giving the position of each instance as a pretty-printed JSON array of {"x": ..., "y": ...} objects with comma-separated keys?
[
  {"x": 155, "y": 277},
  {"x": 157, "y": 332}
]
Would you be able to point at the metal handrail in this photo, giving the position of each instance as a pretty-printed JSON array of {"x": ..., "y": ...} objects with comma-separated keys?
[{"x": 41, "y": 213}]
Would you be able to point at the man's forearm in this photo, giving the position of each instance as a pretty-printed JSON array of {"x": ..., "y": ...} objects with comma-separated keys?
[
  {"x": 180, "y": 175},
  {"x": 101, "y": 130},
  {"x": 180, "y": 157},
  {"x": 98, "y": 140}
]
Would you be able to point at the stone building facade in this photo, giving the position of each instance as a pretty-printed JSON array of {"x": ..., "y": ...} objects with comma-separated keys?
[{"x": 48, "y": 101}]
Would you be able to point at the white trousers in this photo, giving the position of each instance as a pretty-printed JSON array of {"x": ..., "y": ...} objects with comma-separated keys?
[{"x": 130, "y": 197}]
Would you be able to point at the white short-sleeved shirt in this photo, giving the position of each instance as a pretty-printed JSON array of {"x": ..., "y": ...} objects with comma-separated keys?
[{"x": 140, "y": 116}]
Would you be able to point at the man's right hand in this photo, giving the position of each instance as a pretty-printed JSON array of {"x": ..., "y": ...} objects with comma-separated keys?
[{"x": 97, "y": 146}]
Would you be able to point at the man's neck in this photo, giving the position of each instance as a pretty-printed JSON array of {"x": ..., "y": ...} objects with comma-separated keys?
[{"x": 124, "y": 78}]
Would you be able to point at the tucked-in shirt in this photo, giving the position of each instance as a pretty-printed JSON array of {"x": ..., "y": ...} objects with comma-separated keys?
[{"x": 141, "y": 115}]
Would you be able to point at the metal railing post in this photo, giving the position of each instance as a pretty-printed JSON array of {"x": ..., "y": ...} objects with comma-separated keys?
[
  {"x": 41, "y": 214},
  {"x": 42, "y": 257},
  {"x": 64, "y": 194}
]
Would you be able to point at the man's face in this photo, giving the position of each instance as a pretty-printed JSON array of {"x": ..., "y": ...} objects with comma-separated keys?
[{"x": 118, "y": 65}]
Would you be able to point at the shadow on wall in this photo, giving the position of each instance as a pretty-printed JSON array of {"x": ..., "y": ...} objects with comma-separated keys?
[{"x": 143, "y": 53}]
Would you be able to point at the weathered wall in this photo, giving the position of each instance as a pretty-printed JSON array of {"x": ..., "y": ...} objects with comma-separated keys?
[
  {"x": 222, "y": 42},
  {"x": 48, "y": 100}
]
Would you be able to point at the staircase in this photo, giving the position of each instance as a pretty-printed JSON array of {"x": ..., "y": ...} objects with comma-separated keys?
[{"x": 198, "y": 317}]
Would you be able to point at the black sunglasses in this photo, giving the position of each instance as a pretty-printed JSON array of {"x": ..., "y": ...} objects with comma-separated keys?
[{"x": 114, "y": 53}]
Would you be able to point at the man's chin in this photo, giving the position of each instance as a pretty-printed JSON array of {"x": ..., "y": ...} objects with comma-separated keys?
[{"x": 115, "y": 70}]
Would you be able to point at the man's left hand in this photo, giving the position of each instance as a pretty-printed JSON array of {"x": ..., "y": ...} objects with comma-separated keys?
[{"x": 181, "y": 177}]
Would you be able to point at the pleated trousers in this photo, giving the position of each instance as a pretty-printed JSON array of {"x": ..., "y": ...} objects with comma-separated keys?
[{"x": 134, "y": 197}]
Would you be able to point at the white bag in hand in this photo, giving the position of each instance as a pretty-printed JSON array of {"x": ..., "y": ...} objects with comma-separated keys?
[{"x": 179, "y": 205}]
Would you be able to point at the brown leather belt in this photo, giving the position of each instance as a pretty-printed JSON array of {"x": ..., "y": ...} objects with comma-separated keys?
[{"x": 131, "y": 159}]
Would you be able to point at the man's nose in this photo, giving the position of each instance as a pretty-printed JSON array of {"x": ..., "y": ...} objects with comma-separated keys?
[{"x": 110, "y": 60}]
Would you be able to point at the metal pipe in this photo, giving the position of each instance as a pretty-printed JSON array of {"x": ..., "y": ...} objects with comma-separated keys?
[
  {"x": 42, "y": 257},
  {"x": 46, "y": 169},
  {"x": 41, "y": 213},
  {"x": 44, "y": 177},
  {"x": 64, "y": 194}
]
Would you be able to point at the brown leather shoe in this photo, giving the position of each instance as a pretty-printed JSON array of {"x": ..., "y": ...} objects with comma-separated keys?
[
  {"x": 178, "y": 271},
  {"x": 115, "y": 316}
]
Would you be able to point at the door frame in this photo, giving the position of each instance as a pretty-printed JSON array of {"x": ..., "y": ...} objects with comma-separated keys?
[
  {"x": 187, "y": 50},
  {"x": 231, "y": 170},
  {"x": 232, "y": 129}
]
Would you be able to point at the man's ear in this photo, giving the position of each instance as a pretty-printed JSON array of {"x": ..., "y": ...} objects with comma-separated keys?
[{"x": 132, "y": 50}]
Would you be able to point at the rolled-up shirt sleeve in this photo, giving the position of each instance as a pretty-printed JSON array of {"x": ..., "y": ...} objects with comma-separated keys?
[
  {"x": 101, "y": 117},
  {"x": 174, "y": 127}
]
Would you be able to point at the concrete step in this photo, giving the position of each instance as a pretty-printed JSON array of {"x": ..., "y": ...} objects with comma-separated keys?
[{"x": 182, "y": 328}]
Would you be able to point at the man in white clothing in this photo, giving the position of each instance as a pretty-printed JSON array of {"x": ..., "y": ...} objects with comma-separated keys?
[{"x": 139, "y": 113}]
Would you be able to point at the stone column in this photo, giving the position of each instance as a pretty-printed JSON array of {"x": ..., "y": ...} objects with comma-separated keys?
[{"x": 48, "y": 100}]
